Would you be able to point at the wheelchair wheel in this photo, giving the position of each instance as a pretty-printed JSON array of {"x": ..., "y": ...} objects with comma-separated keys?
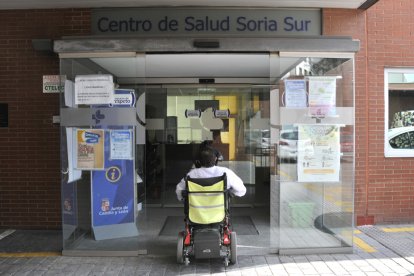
[
  {"x": 180, "y": 248},
  {"x": 233, "y": 248}
]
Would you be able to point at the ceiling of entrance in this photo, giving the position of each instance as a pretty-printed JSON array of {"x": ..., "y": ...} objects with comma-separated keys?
[
  {"x": 50, "y": 4},
  {"x": 180, "y": 66}
]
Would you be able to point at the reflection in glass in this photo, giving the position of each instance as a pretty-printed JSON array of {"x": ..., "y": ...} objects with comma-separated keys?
[{"x": 400, "y": 120}]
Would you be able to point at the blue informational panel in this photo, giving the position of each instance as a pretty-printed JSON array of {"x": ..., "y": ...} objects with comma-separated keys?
[{"x": 113, "y": 190}]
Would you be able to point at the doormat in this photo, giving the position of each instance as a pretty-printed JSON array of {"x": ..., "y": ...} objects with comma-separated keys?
[
  {"x": 32, "y": 241},
  {"x": 242, "y": 225}
]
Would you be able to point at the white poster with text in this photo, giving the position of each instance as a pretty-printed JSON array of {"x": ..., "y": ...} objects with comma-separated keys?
[
  {"x": 121, "y": 144},
  {"x": 318, "y": 153},
  {"x": 295, "y": 94},
  {"x": 94, "y": 89},
  {"x": 322, "y": 96}
]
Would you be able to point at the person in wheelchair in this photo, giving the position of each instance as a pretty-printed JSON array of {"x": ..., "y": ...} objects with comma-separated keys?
[
  {"x": 209, "y": 144},
  {"x": 208, "y": 168},
  {"x": 205, "y": 193}
]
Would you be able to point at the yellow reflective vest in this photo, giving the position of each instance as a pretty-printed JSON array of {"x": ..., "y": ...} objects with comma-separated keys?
[{"x": 206, "y": 204}]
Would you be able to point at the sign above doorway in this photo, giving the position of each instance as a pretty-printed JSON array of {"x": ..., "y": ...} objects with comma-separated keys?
[{"x": 203, "y": 22}]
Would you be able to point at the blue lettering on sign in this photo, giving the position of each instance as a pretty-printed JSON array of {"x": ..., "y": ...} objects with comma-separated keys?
[
  {"x": 167, "y": 24},
  {"x": 207, "y": 24},
  {"x": 91, "y": 138},
  {"x": 294, "y": 25},
  {"x": 131, "y": 25},
  {"x": 265, "y": 24},
  {"x": 204, "y": 24}
]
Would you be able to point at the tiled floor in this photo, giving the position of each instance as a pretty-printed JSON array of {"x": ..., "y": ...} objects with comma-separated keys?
[{"x": 388, "y": 250}]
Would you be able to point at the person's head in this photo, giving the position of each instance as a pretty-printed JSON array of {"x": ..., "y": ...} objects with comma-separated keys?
[{"x": 207, "y": 157}]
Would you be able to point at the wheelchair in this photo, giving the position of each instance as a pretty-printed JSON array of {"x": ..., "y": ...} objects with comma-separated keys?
[{"x": 207, "y": 231}]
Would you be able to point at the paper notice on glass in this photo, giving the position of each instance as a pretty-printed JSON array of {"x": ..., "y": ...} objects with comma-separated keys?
[
  {"x": 322, "y": 96},
  {"x": 295, "y": 94},
  {"x": 94, "y": 89},
  {"x": 90, "y": 149},
  {"x": 73, "y": 174},
  {"x": 121, "y": 144},
  {"x": 318, "y": 153}
]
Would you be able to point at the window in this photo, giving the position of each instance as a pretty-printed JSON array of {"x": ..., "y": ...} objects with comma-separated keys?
[{"x": 399, "y": 112}]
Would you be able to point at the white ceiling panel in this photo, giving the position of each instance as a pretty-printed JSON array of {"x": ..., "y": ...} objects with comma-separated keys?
[
  {"x": 50, "y": 4},
  {"x": 188, "y": 65}
]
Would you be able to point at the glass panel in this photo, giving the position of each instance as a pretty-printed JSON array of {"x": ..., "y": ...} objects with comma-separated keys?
[
  {"x": 242, "y": 138},
  {"x": 314, "y": 131},
  {"x": 102, "y": 155},
  {"x": 292, "y": 143}
]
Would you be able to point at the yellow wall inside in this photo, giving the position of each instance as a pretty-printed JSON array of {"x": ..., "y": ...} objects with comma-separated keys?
[{"x": 229, "y": 102}]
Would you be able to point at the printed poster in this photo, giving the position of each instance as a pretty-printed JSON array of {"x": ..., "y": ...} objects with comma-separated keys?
[
  {"x": 318, "y": 153},
  {"x": 94, "y": 89},
  {"x": 121, "y": 144},
  {"x": 90, "y": 149},
  {"x": 113, "y": 191},
  {"x": 295, "y": 94},
  {"x": 322, "y": 96}
]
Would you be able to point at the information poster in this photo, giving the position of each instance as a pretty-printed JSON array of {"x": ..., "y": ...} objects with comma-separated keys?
[
  {"x": 90, "y": 149},
  {"x": 113, "y": 192},
  {"x": 121, "y": 144},
  {"x": 322, "y": 96},
  {"x": 295, "y": 94},
  {"x": 94, "y": 89},
  {"x": 318, "y": 153}
]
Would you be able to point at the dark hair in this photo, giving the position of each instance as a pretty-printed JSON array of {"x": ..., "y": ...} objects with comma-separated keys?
[
  {"x": 209, "y": 144},
  {"x": 207, "y": 157}
]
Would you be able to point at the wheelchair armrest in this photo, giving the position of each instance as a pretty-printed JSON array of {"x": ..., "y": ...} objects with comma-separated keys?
[{"x": 229, "y": 194}]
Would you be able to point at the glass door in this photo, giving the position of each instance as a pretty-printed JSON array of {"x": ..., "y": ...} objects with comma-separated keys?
[
  {"x": 102, "y": 146},
  {"x": 283, "y": 122},
  {"x": 314, "y": 130},
  {"x": 235, "y": 120},
  {"x": 240, "y": 132}
]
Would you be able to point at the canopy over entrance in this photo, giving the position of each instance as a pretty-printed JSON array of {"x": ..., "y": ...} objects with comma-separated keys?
[{"x": 53, "y": 4}]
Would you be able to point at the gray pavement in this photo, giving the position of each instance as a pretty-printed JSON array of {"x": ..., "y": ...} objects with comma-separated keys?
[{"x": 378, "y": 250}]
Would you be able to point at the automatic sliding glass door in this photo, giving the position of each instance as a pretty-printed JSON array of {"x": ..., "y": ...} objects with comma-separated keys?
[
  {"x": 290, "y": 139},
  {"x": 242, "y": 135}
]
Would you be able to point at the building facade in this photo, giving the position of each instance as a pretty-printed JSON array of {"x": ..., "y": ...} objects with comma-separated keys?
[{"x": 30, "y": 159}]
